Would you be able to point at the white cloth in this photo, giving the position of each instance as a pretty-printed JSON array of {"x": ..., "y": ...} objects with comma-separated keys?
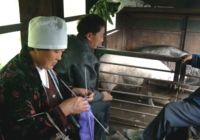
[{"x": 43, "y": 76}]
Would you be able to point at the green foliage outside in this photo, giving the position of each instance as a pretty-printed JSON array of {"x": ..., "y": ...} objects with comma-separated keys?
[{"x": 105, "y": 9}]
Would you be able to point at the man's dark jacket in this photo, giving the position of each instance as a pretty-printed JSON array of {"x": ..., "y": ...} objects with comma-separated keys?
[{"x": 77, "y": 59}]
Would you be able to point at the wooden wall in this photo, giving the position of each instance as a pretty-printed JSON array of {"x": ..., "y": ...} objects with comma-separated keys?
[
  {"x": 137, "y": 27},
  {"x": 192, "y": 41}
]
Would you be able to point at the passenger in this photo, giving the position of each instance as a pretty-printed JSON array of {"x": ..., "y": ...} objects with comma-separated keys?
[
  {"x": 82, "y": 69},
  {"x": 174, "y": 120},
  {"x": 34, "y": 103}
]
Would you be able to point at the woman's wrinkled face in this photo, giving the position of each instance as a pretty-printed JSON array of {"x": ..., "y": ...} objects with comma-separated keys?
[
  {"x": 46, "y": 59},
  {"x": 96, "y": 40}
]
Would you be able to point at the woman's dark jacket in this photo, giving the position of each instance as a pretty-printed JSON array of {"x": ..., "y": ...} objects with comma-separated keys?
[{"x": 21, "y": 97}]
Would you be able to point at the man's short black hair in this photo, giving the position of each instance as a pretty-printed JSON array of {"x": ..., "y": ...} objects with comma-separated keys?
[{"x": 90, "y": 23}]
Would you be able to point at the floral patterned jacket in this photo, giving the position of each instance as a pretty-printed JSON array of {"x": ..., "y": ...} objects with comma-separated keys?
[{"x": 23, "y": 103}]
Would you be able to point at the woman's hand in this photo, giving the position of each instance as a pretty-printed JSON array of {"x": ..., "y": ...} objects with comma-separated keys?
[
  {"x": 90, "y": 96},
  {"x": 80, "y": 91},
  {"x": 74, "y": 105},
  {"x": 84, "y": 93}
]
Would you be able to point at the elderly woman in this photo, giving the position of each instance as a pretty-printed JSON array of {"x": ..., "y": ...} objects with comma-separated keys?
[{"x": 34, "y": 103}]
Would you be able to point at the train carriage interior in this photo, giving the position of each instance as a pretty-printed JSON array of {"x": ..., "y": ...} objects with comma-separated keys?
[{"x": 141, "y": 57}]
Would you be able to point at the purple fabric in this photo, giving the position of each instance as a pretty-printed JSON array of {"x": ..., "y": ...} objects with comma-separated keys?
[{"x": 86, "y": 121}]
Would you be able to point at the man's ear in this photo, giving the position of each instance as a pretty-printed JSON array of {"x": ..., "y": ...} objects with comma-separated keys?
[{"x": 89, "y": 36}]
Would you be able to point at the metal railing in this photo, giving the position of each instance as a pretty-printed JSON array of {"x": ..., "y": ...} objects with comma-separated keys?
[{"x": 134, "y": 107}]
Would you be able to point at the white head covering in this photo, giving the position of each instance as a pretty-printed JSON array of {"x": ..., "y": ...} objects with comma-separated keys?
[{"x": 47, "y": 33}]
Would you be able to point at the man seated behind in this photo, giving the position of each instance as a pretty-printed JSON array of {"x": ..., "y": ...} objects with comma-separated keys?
[{"x": 79, "y": 67}]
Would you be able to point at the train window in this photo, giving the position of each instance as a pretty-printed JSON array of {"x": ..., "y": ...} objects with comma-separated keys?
[
  {"x": 71, "y": 27},
  {"x": 71, "y": 8},
  {"x": 12, "y": 16},
  {"x": 111, "y": 26},
  {"x": 10, "y": 45},
  {"x": 10, "y": 39}
]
